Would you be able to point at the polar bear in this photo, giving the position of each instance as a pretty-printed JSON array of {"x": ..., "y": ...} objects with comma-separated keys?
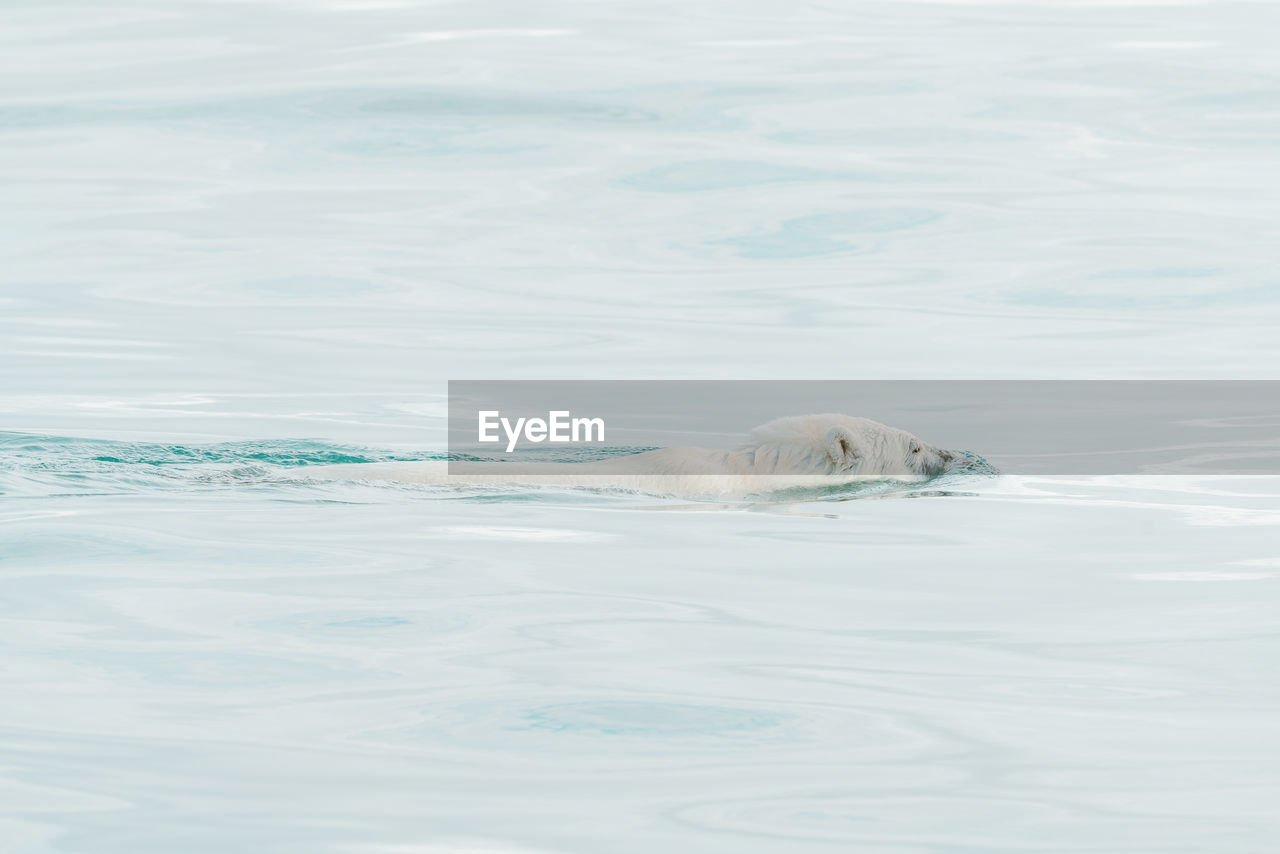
[{"x": 798, "y": 451}]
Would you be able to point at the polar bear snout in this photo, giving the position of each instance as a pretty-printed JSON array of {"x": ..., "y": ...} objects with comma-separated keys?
[
  {"x": 932, "y": 461},
  {"x": 838, "y": 445}
]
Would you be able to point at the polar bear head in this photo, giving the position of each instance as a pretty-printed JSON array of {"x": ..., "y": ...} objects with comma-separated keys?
[{"x": 841, "y": 444}]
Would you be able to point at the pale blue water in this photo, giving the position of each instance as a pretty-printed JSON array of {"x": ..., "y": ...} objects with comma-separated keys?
[{"x": 241, "y": 239}]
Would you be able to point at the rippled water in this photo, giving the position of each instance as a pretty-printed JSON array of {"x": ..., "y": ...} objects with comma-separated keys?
[{"x": 241, "y": 239}]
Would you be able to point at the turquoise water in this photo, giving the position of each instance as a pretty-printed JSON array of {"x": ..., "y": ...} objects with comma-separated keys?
[{"x": 240, "y": 240}]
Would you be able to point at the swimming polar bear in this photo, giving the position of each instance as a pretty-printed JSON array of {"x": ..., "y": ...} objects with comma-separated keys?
[{"x": 799, "y": 451}]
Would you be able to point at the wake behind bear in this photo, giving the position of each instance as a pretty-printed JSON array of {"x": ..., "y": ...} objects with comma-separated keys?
[{"x": 798, "y": 451}]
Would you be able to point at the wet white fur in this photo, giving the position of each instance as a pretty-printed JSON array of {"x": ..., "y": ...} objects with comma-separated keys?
[{"x": 798, "y": 451}]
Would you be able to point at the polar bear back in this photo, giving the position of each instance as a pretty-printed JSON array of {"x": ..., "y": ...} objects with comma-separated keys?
[{"x": 797, "y": 451}]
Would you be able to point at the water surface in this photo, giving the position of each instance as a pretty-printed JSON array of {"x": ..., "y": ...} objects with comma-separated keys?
[{"x": 239, "y": 240}]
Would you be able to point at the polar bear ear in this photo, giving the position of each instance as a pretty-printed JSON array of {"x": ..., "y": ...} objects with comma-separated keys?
[{"x": 841, "y": 449}]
